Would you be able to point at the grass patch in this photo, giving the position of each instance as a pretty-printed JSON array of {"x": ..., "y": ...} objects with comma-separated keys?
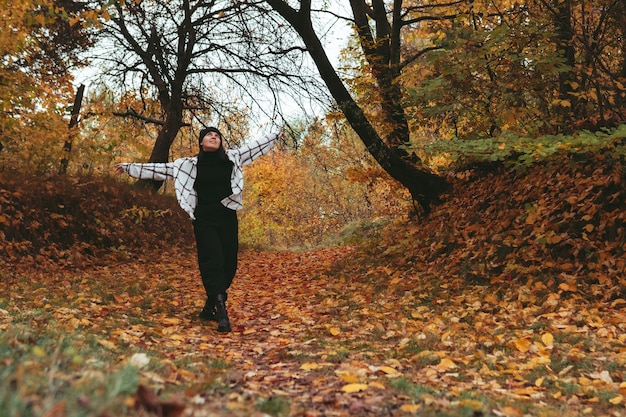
[
  {"x": 415, "y": 391},
  {"x": 274, "y": 406},
  {"x": 51, "y": 370}
]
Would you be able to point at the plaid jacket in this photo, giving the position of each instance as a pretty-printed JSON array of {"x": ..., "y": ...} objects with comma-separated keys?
[{"x": 183, "y": 172}]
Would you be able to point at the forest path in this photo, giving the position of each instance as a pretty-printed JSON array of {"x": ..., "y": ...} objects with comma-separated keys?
[{"x": 320, "y": 334}]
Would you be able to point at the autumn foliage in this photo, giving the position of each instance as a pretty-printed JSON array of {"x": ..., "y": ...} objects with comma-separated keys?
[
  {"x": 508, "y": 300},
  {"x": 73, "y": 221}
]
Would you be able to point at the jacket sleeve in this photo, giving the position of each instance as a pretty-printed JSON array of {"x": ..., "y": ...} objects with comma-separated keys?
[
  {"x": 253, "y": 149},
  {"x": 150, "y": 171}
]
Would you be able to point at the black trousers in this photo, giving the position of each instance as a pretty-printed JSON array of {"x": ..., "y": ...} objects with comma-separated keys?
[{"x": 216, "y": 230}]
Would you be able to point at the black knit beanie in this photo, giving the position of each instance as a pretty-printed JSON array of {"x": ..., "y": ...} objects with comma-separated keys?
[{"x": 206, "y": 130}]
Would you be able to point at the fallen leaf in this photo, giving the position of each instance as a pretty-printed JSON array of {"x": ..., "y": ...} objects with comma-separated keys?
[
  {"x": 355, "y": 387},
  {"x": 146, "y": 398},
  {"x": 471, "y": 404},
  {"x": 410, "y": 408},
  {"x": 389, "y": 370},
  {"x": 446, "y": 364},
  {"x": 307, "y": 366},
  {"x": 107, "y": 344},
  {"x": 172, "y": 408},
  {"x": 509, "y": 412},
  {"x": 548, "y": 340},
  {"x": 522, "y": 345}
]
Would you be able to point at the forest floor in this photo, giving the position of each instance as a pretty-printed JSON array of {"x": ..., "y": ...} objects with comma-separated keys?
[{"x": 508, "y": 300}]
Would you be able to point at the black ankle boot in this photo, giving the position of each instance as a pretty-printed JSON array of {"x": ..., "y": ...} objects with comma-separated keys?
[
  {"x": 209, "y": 312},
  {"x": 223, "y": 324}
]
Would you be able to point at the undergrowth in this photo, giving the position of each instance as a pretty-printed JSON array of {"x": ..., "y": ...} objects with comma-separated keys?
[{"x": 522, "y": 151}]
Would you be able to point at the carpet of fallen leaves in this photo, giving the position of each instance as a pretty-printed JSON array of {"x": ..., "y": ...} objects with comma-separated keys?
[
  {"x": 507, "y": 301},
  {"x": 333, "y": 346}
]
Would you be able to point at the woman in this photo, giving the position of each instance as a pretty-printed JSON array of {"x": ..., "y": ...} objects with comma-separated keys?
[{"x": 208, "y": 187}]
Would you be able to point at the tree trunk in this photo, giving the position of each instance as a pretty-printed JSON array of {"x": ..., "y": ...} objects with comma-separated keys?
[
  {"x": 165, "y": 138},
  {"x": 424, "y": 185},
  {"x": 564, "y": 42},
  {"x": 67, "y": 146}
]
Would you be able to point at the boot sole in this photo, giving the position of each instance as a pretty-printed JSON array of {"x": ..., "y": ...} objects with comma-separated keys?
[{"x": 224, "y": 329}]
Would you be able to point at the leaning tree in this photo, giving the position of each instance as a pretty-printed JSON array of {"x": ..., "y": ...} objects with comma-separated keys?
[{"x": 378, "y": 26}]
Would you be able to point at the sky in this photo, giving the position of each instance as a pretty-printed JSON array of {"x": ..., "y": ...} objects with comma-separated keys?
[{"x": 333, "y": 33}]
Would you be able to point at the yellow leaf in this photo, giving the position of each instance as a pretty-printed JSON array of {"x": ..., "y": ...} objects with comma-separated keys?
[
  {"x": 389, "y": 370},
  {"x": 335, "y": 331},
  {"x": 410, "y": 408},
  {"x": 307, "y": 366},
  {"x": 511, "y": 412},
  {"x": 377, "y": 385},
  {"x": 616, "y": 400},
  {"x": 527, "y": 391},
  {"x": 347, "y": 376},
  {"x": 446, "y": 364},
  {"x": 428, "y": 399},
  {"x": 547, "y": 339},
  {"x": 471, "y": 404},
  {"x": 354, "y": 388},
  {"x": 522, "y": 345},
  {"x": 107, "y": 344},
  {"x": 539, "y": 381}
]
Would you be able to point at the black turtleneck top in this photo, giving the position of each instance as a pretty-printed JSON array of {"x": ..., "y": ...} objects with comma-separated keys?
[{"x": 212, "y": 180}]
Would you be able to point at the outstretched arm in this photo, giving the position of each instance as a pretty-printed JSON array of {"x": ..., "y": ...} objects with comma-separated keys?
[
  {"x": 150, "y": 171},
  {"x": 252, "y": 150}
]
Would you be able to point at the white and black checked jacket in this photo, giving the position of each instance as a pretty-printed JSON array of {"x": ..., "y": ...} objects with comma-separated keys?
[{"x": 183, "y": 172}]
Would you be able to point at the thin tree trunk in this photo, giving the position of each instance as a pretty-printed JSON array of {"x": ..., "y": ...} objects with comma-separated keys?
[{"x": 67, "y": 146}]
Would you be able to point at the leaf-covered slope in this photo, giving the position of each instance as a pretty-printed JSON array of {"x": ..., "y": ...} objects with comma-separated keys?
[
  {"x": 562, "y": 223},
  {"x": 74, "y": 220}
]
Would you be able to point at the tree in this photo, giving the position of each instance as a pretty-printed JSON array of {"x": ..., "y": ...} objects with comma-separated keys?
[
  {"x": 589, "y": 38},
  {"x": 192, "y": 56},
  {"x": 379, "y": 36},
  {"x": 38, "y": 47},
  {"x": 531, "y": 68}
]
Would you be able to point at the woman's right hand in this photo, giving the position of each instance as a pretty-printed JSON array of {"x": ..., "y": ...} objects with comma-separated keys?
[{"x": 119, "y": 168}]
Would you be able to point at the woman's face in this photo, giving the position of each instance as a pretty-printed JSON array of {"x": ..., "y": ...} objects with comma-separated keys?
[{"x": 211, "y": 142}]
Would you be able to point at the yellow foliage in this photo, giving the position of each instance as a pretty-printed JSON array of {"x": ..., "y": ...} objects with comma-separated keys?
[{"x": 301, "y": 198}]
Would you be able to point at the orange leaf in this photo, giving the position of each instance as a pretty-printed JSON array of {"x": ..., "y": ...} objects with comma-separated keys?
[
  {"x": 446, "y": 364},
  {"x": 410, "y": 408},
  {"x": 522, "y": 345},
  {"x": 510, "y": 412}
]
